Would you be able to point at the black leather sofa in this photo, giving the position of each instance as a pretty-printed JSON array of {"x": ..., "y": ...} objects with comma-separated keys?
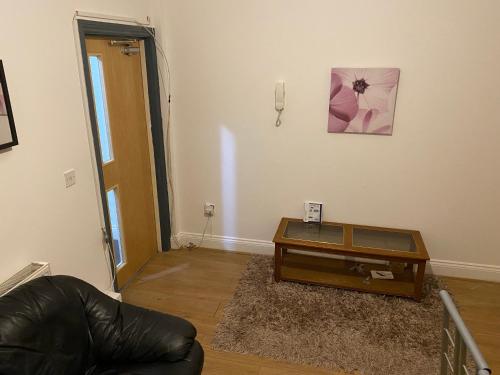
[{"x": 62, "y": 325}]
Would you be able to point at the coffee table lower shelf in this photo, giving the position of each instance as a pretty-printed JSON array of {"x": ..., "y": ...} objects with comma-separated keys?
[{"x": 335, "y": 272}]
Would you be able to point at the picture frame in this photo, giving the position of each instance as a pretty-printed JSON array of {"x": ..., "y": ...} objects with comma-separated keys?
[
  {"x": 363, "y": 100},
  {"x": 8, "y": 134}
]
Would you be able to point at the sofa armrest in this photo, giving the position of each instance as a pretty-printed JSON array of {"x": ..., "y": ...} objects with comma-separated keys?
[{"x": 123, "y": 332}]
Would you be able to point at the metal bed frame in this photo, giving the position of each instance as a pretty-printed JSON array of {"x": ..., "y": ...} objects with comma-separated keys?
[{"x": 463, "y": 341}]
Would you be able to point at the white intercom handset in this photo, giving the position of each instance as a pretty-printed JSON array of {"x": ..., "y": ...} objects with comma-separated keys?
[{"x": 279, "y": 99}]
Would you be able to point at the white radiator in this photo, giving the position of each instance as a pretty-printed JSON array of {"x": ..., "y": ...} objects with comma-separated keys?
[{"x": 30, "y": 272}]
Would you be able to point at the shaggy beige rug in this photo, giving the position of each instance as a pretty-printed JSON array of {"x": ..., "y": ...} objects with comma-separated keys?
[{"x": 331, "y": 328}]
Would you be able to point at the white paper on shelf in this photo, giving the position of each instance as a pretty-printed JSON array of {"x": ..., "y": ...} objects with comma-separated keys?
[{"x": 385, "y": 275}]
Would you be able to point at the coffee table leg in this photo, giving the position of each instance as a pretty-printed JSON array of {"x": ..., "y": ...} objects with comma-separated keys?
[
  {"x": 277, "y": 263},
  {"x": 419, "y": 281}
]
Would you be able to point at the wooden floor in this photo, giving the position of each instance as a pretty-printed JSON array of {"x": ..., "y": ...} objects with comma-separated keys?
[
  {"x": 196, "y": 285},
  {"x": 479, "y": 306}
]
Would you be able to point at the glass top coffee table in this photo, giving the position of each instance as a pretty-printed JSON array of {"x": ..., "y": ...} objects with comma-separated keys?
[{"x": 344, "y": 256}]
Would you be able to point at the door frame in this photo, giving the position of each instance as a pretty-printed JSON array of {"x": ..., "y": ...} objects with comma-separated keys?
[{"x": 87, "y": 28}]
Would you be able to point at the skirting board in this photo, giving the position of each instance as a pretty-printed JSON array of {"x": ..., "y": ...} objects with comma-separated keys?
[
  {"x": 227, "y": 243},
  {"x": 437, "y": 266}
]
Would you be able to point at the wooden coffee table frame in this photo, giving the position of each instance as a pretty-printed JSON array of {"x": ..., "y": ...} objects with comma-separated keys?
[{"x": 335, "y": 272}]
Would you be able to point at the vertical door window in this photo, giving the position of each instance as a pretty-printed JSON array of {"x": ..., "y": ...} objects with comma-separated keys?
[
  {"x": 116, "y": 227},
  {"x": 98, "y": 88}
]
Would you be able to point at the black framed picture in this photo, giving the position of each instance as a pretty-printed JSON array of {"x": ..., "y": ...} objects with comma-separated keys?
[{"x": 8, "y": 136}]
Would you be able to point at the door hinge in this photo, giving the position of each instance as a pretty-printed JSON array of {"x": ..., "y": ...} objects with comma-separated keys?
[{"x": 105, "y": 236}]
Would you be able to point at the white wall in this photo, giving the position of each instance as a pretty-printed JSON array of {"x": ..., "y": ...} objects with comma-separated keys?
[
  {"x": 39, "y": 218},
  {"x": 438, "y": 173}
]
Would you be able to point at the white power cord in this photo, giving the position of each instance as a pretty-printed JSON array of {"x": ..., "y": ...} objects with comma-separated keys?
[
  {"x": 167, "y": 91},
  {"x": 191, "y": 245},
  {"x": 167, "y": 137},
  {"x": 278, "y": 120}
]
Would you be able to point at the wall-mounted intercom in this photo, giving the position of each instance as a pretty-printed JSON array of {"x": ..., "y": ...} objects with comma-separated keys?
[
  {"x": 279, "y": 99},
  {"x": 313, "y": 212}
]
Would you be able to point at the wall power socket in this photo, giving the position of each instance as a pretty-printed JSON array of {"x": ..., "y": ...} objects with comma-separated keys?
[{"x": 209, "y": 209}]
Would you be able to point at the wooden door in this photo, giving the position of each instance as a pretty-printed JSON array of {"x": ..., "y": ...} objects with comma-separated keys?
[{"x": 118, "y": 91}]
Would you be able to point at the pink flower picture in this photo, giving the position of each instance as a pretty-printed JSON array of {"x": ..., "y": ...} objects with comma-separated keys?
[{"x": 362, "y": 100}]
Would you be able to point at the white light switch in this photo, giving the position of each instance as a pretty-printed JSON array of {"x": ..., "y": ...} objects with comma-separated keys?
[{"x": 70, "y": 177}]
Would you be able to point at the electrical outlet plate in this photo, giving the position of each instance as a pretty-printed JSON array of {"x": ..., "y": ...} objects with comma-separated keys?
[
  {"x": 70, "y": 177},
  {"x": 209, "y": 209}
]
